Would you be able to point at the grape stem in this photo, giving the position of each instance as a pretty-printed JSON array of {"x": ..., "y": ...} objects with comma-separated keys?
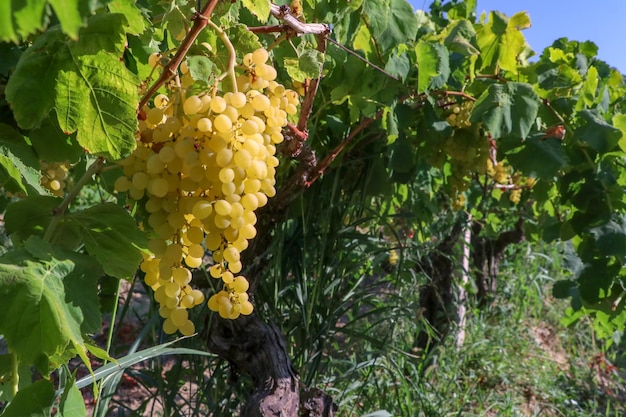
[
  {"x": 232, "y": 56},
  {"x": 171, "y": 69}
]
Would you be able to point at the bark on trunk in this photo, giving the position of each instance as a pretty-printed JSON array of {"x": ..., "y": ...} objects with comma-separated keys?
[
  {"x": 487, "y": 255},
  {"x": 437, "y": 298}
]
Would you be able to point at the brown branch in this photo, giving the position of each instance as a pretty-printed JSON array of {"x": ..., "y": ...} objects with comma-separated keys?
[
  {"x": 351, "y": 52},
  {"x": 284, "y": 13},
  {"x": 311, "y": 92},
  {"x": 321, "y": 167},
  {"x": 170, "y": 70}
]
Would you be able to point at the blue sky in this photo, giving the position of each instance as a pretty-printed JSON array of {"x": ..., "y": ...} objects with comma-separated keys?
[{"x": 600, "y": 21}]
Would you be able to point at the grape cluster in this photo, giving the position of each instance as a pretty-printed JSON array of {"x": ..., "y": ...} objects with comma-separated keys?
[
  {"x": 204, "y": 163},
  {"x": 55, "y": 176},
  {"x": 467, "y": 150},
  {"x": 460, "y": 116}
]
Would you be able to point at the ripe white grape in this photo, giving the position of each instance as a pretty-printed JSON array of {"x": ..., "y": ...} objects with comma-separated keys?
[{"x": 203, "y": 164}]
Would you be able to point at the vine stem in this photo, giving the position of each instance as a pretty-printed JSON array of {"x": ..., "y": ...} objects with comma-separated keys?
[
  {"x": 232, "y": 56},
  {"x": 170, "y": 70},
  {"x": 57, "y": 213}
]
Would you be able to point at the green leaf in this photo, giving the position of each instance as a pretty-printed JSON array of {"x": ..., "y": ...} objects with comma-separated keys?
[
  {"x": 20, "y": 20},
  {"x": 376, "y": 14},
  {"x": 433, "y": 66},
  {"x": 261, "y": 9},
  {"x": 35, "y": 400},
  {"x": 112, "y": 236},
  {"x": 402, "y": 156},
  {"x": 106, "y": 124},
  {"x": 501, "y": 42},
  {"x": 619, "y": 121},
  {"x": 597, "y": 133},
  {"x": 113, "y": 368},
  {"x": 508, "y": 111},
  {"x": 460, "y": 37},
  {"x": 29, "y": 216},
  {"x": 31, "y": 102},
  {"x": 200, "y": 67},
  {"x": 46, "y": 305},
  {"x": 540, "y": 158},
  {"x": 69, "y": 14},
  {"x": 51, "y": 144},
  {"x": 19, "y": 166},
  {"x": 71, "y": 403},
  {"x": 85, "y": 81},
  {"x": 611, "y": 238},
  {"x": 308, "y": 65},
  {"x": 401, "y": 27},
  {"x": 590, "y": 87},
  {"x": 136, "y": 22}
]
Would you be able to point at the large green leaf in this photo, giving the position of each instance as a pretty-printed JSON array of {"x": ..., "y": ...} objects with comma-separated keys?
[
  {"x": 433, "y": 66},
  {"x": 507, "y": 111},
  {"x": 112, "y": 236},
  {"x": 376, "y": 13},
  {"x": 47, "y": 304},
  {"x": 30, "y": 216},
  {"x": 51, "y": 144},
  {"x": 501, "y": 42},
  {"x": 597, "y": 133},
  {"x": 401, "y": 27},
  {"x": 35, "y": 400},
  {"x": 610, "y": 238},
  {"x": 19, "y": 19},
  {"x": 85, "y": 81},
  {"x": 539, "y": 157}
]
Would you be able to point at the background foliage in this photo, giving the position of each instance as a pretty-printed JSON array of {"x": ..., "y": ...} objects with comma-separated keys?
[{"x": 539, "y": 137}]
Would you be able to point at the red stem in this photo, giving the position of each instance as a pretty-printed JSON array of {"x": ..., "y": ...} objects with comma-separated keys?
[{"x": 170, "y": 70}]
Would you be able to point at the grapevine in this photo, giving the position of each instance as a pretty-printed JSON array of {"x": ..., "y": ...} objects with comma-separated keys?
[{"x": 204, "y": 163}]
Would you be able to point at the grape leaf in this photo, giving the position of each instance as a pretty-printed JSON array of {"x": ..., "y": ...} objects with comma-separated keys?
[
  {"x": 136, "y": 22},
  {"x": 401, "y": 26},
  {"x": 460, "y": 37},
  {"x": 433, "y": 66},
  {"x": 25, "y": 17},
  {"x": 85, "y": 81},
  {"x": 71, "y": 403},
  {"x": 539, "y": 158},
  {"x": 500, "y": 41},
  {"x": 107, "y": 125},
  {"x": 261, "y": 9},
  {"x": 51, "y": 144},
  {"x": 597, "y": 133},
  {"x": 611, "y": 238},
  {"x": 112, "y": 236},
  {"x": 46, "y": 305},
  {"x": 308, "y": 65},
  {"x": 508, "y": 111},
  {"x": 35, "y": 400},
  {"x": 376, "y": 13},
  {"x": 19, "y": 166},
  {"x": 200, "y": 68}
]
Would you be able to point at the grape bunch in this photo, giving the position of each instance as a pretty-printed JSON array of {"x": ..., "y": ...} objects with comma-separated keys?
[
  {"x": 467, "y": 150},
  {"x": 460, "y": 116},
  {"x": 55, "y": 176},
  {"x": 203, "y": 164}
]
